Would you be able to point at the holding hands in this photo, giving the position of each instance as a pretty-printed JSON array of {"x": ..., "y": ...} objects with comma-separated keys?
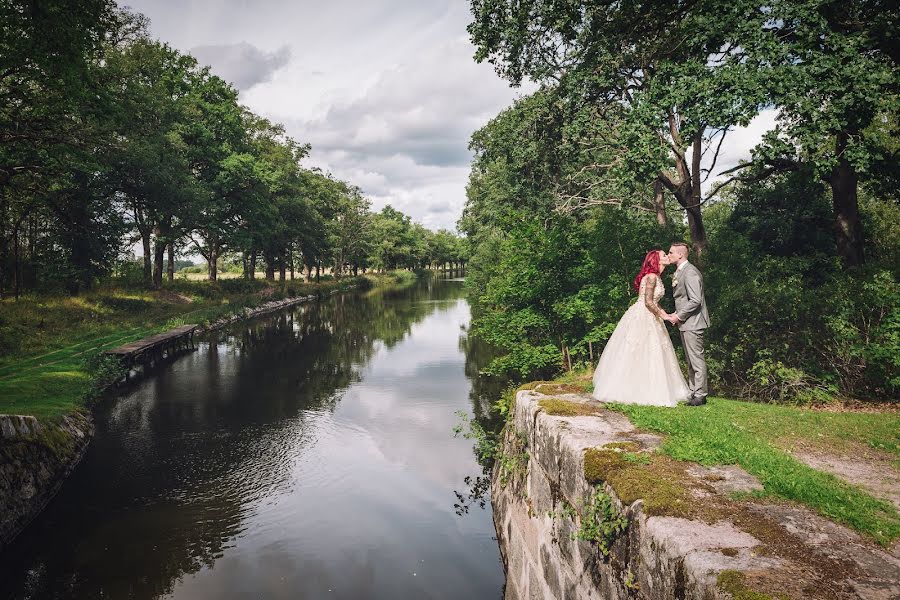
[{"x": 672, "y": 318}]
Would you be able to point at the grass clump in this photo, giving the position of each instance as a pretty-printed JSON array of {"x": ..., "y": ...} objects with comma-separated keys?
[
  {"x": 561, "y": 407},
  {"x": 735, "y": 583},
  {"x": 731, "y": 432}
]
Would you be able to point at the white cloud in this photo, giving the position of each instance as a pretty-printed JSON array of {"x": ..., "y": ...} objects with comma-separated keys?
[
  {"x": 242, "y": 64},
  {"x": 386, "y": 92}
]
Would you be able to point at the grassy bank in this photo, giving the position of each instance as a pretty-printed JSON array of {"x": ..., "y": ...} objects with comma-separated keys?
[
  {"x": 761, "y": 437},
  {"x": 46, "y": 343}
]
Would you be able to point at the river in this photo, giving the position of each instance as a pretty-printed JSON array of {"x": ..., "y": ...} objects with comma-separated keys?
[{"x": 304, "y": 454}]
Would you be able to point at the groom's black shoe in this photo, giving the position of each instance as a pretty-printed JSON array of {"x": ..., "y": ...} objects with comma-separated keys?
[{"x": 695, "y": 402}]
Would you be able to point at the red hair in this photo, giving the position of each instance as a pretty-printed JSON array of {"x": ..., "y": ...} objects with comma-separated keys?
[{"x": 651, "y": 265}]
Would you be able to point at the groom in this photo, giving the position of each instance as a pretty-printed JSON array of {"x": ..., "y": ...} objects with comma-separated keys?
[{"x": 691, "y": 318}]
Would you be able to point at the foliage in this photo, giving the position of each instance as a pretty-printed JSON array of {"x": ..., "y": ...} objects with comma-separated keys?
[
  {"x": 601, "y": 521},
  {"x": 104, "y": 371},
  {"x": 486, "y": 444},
  {"x": 111, "y": 137},
  {"x": 548, "y": 288}
]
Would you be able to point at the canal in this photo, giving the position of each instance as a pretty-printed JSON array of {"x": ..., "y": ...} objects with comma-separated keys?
[{"x": 304, "y": 454}]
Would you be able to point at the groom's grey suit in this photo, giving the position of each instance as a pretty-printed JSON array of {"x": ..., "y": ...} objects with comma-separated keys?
[{"x": 690, "y": 306}]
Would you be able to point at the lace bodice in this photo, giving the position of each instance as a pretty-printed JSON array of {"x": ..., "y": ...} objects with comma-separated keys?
[{"x": 651, "y": 291}]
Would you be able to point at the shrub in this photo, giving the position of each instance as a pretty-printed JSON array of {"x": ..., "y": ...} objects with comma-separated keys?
[{"x": 105, "y": 371}]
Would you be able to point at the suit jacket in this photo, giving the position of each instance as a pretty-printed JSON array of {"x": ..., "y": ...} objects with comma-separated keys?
[{"x": 690, "y": 303}]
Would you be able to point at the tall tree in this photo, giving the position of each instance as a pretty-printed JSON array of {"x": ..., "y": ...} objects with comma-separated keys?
[
  {"x": 152, "y": 83},
  {"x": 832, "y": 70},
  {"x": 676, "y": 68},
  {"x": 220, "y": 158}
]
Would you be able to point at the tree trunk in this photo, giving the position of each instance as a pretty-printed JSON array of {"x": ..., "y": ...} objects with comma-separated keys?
[
  {"x": 170, "y": 270},
  {"x": 270, "y": 269},
  {"x": 159, "y": 255},
  {"x": 212, "y": 261},
  {"x": 148, "y": 258},
  {"x": 847, "y": 224},
  {"x": 282, "y": 267},
  {"x": 252, "y": 265},
  {"x": 317, "y": 272},
  {"x": 659, "y": 203},
  {"x": 687, "y": 186},
  {"x": 17, "y": 267}
]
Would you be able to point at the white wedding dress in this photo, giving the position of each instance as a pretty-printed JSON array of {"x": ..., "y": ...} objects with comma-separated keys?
[{"x": 638, "y": 364}]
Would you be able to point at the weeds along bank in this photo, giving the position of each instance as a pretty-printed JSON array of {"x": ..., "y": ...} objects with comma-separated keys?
[{"x": 52, "y": 368}]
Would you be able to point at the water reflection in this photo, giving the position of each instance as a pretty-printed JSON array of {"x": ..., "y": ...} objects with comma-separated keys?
[{"x": 302, "y": 455}]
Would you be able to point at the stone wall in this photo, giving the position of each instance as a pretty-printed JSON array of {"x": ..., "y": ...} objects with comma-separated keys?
[
  {"x": 541, "y": 496},
  {"x": 35, "y": 459}
]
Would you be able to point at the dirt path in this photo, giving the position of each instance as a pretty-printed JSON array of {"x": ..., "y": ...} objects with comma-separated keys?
[{"x": 872, "y": 471}]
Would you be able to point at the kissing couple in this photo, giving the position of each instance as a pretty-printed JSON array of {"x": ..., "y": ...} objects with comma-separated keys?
[{"x": 638, "y": 364}]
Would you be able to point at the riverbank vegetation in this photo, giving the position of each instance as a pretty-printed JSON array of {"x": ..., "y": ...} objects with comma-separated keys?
[
  {"x": 111, "y": 140},
  {"x": 52, "y": 366},
  {"x": 616, "y": 153}
]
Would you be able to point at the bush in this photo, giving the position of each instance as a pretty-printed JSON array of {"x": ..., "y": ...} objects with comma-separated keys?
[
  {"x": 193, "y": 269},
  {"x": 105, "y": 371},
  {"x": 772, "y": 381},
  {"x": 789, "y": 323}
]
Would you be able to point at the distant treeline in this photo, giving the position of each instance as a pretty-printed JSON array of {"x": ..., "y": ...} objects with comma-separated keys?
[{"x": 109, "y": 139}]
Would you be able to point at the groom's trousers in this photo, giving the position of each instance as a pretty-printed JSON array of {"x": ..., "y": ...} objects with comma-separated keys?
[{"x": 696, "y": 360}]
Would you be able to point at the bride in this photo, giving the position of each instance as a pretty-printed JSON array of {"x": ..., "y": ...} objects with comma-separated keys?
[{"x": 638, "y": 365}]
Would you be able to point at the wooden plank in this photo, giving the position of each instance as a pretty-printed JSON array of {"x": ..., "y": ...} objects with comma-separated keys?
[{"x": 152, "y": 341}]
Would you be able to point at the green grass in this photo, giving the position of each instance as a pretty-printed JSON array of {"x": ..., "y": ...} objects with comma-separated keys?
[
  {"x": 44, "y": 341},
  {"x": 754, "y": 435}
]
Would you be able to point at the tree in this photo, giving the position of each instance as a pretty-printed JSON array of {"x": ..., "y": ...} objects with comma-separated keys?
[
  {"x": 673, "y": 75},
  {"x": 348, "y": 229},
  {"x": 832, "y": 71},
  {"x": 152, "y": 86},
  {"x": 49, "y": 103},
  {"x": 220, "y": 158}
]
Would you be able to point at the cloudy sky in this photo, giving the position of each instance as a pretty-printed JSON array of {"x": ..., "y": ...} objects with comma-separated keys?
[{"x": 386, "y": 91}]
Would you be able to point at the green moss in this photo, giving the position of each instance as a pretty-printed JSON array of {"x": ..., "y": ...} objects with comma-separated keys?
[
  {"x": 661, "y": 482},
  {"x": 753, "y": 436},
  {"x": 624, "y": 446},
  {"x": 566, "y": 408},
  {"x": 533, "y": 384},
  {"x": 734, "y": 583},
  {"x": 600, "y": 464}
]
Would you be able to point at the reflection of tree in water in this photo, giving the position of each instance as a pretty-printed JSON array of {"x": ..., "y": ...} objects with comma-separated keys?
[
  {"x": 485, "y": 391},
  {"x": 167, "y": 486}
]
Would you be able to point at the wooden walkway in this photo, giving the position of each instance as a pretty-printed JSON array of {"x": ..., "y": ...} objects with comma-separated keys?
[{"x": 155, "y": 347}]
